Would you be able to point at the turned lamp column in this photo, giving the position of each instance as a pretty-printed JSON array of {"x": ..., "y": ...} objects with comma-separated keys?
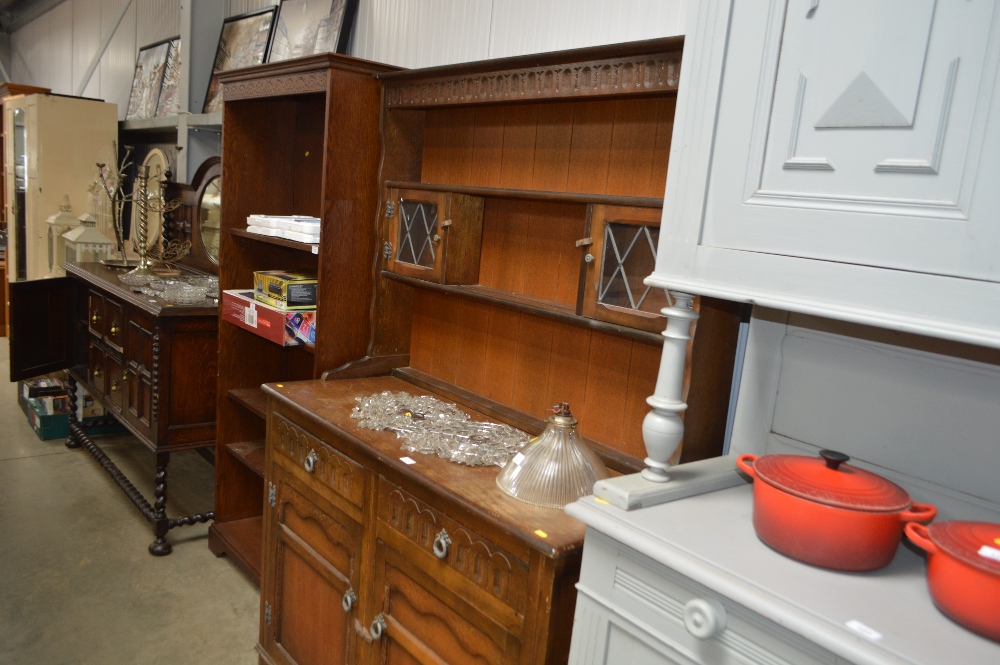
[{"x": 663, "y": 429}]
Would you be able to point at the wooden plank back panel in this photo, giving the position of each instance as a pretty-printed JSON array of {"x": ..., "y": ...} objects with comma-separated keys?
[
  {"x": 529, "y": 248},
  {"x": 530, "y": 363},
  {"x": 596, "y": 147}
]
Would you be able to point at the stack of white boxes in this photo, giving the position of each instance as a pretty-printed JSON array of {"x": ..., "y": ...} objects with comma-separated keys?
[{"x": 290, "y": 227}]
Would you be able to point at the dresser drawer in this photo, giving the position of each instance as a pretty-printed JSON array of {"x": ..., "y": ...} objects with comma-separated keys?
[
  {"x": 114, "y": 326},
  {"x": 96, "y": 370},
  {"x": 329, "y": 472},
  {"x": 443, "y": 542},
  {"x": 622, "y": 588},
  {"x": 95, "y": 314}
]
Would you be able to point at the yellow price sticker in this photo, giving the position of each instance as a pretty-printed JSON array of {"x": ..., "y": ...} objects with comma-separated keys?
[
  {"x": 541, "y": 534},
  {"x": 598, "y": 499},
  {"x": 280, "y": 385}
]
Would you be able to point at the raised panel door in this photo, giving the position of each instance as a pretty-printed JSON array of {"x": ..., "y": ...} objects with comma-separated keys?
[
  {"x": 140, "y": 356},
  {"x": 423, "y": 621},
  {"x": 310, "y": 582},
  {"x": 860, "y": 133}
]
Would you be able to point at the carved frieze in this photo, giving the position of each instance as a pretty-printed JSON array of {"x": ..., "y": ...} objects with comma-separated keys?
[
  {"x": 288, "y": 84},
  {"x": 619, "y": 76}
]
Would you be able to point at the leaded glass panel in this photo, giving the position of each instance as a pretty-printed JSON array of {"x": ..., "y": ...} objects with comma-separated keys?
[
  {"x": 629, "y": 257},
  {"x": 417, "y": 227}
]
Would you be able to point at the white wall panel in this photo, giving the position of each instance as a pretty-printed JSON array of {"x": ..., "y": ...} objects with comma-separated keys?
[
  {"x": 118, "y": 62},
  {"x": 60, "y": 47},
  {"x": 237, "y": 7},
  {"x": 422, "y": 33},
  {"x": 86, "y": 41},
  {"x": 533, "y": 26},
  {"x": 156, "y": 20},
  {"x": 30, "y": 53}
]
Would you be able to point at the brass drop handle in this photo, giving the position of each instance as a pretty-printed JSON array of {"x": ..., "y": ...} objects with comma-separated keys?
[
  {"x": 96, "y": 373},
  {"x": 114, "y": 385},
  {"x": 114, "y": 328},
  {"x": 94, "y": 318},
  {"x": 441, "y": 543},
  {"x": 378, "y": 625},
  {"x": 349, "y": 599},
  {"x": 310, "y": 462}
]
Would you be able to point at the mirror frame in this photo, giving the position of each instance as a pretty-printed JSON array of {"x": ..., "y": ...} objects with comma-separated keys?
[{"x": 185, "y": 222}]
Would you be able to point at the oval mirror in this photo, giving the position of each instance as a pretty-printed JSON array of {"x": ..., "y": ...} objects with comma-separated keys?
[{"x": 208, "y": 217}]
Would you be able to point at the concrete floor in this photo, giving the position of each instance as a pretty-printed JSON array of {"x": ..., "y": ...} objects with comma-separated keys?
[{"x": 77, "y": 584}]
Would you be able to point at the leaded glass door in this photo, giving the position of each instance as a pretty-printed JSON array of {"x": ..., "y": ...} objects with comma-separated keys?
[{"x": 624, "y": 254}]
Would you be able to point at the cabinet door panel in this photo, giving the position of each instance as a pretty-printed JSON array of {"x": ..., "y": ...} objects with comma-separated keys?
[
  {"x": 860, "y": 133},
  {"x": 40, "y": 327},
  {"x": 140, "y": 356},
  {"x": 429, "y": 623},
  {"x": 311, "y": 565}
]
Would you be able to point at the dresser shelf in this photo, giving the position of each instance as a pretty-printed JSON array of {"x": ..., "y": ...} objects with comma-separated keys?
[{"x": 531, "y": 194}]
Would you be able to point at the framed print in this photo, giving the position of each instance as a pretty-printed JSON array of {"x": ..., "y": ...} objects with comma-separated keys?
[
  {"x": 243, "y": 42},
  {"x": 167, "y": 104},
  {"x": 147, "y": 80},
  {"x": 304, "y": 27}
]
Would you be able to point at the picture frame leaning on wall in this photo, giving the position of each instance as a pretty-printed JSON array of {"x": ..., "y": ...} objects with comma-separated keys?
[
  {"x": 243, "y": 42},
  {"x": 305, "y": 27},
  {"x": 147, "y": 81}
]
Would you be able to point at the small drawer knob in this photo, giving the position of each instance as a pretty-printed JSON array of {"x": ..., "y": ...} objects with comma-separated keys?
[
  {"x": 441, "y": 543},
  {"x": 704, "y": 618},
  {"x": 114, "y": 328},
  {"x": 310, "y": 463}
]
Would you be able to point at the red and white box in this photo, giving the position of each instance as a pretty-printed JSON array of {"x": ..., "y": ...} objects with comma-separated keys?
[{"x": 276, "y": 325}]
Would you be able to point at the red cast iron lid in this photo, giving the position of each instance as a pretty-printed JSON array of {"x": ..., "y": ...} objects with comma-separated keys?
[
  {"x": 827, "y": 480},
  {"x": 974, "y": 543}
]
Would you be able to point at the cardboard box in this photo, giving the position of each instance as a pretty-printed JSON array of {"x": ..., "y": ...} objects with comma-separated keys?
[
  {"x": 50, "y": 426},
  {"x": 285, "y": 290},
  {"x": 286, "y": 328}
]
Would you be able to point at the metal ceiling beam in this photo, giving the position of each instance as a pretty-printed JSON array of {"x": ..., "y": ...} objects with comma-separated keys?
[{"x": 23, "y": 12}]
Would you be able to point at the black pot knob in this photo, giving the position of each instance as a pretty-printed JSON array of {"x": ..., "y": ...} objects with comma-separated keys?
[{"x": 833, "y": 458}]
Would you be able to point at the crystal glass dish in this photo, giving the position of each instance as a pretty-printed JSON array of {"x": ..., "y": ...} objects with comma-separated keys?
[
  {"x": 135, "y": 279},
  {"x": 185, "y": 294},
  {"x": 430, "y": 426},
  {"x": 557, "y": 468}
]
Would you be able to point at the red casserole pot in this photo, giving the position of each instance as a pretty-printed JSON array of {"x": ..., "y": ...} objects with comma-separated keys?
[
  {"x": 827, "y": 513},
  {"x": 963, "y": 571}
]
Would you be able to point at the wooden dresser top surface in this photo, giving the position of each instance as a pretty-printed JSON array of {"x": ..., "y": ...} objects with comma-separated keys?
[
  {"x": 329, "y": 404},
  {"x": 106, "y": 279}
]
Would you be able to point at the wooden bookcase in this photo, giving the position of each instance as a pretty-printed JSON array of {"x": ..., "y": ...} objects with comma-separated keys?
[{"x": 299, "y": 137}]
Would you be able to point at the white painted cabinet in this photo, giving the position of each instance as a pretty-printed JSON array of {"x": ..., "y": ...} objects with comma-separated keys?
[{"x": 843, "y": 159}]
